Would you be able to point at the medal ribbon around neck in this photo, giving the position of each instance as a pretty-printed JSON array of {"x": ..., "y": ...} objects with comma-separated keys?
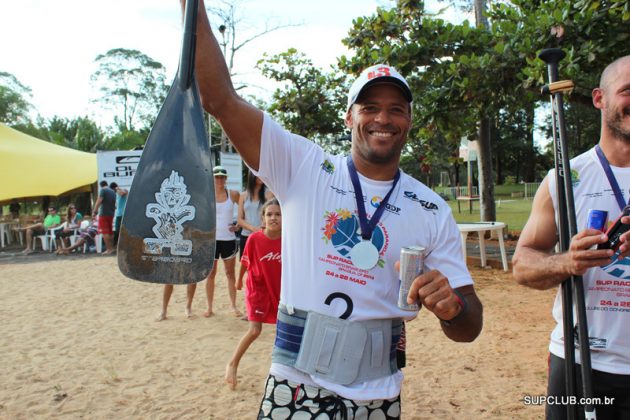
[
  {"x": 362, "y": 254},
  {"x": 611, "y": 177}
]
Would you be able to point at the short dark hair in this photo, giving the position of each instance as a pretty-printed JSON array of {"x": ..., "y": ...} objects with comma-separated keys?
[
  {"x": 103, "y": 184},
  {"x": 113, "y": 185}
]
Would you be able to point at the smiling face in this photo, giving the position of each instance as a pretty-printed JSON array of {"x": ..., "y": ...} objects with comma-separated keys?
[
  {"x": 613, "y": 99},
  {"x": 380, "y": 120}
]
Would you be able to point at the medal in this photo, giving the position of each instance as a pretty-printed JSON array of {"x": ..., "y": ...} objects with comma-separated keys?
[{"x": 364, "y": 255}]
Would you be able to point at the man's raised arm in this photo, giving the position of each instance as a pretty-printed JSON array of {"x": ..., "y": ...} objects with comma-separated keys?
[{"x": 241, "y": 121}]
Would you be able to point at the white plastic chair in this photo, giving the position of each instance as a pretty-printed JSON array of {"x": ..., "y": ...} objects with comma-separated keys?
[{"x": 49, "y": 239}]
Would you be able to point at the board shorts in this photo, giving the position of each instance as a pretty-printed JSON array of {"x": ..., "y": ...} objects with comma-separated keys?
[
  {"x": 605, "y": 385},
  {"x": 225, "y": 250},
  {"x": 260, "y": 304},
  {"x": 88, "y": 235},
  {"x": 284, "y": 398},
  {"x": 105, "y": 225}
]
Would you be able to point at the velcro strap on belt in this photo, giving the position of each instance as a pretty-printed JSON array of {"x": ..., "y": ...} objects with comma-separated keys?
[{"x": 335, "y": 349}]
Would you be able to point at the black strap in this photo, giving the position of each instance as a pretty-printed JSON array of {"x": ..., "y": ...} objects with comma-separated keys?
[
  {"x": 611, "y": 177},
  {"x": 368, "y": 226},
  {"x": 332, "y": 404}
]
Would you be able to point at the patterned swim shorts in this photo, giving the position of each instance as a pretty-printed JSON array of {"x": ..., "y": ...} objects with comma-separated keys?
[{"x": 289, "y": 400}]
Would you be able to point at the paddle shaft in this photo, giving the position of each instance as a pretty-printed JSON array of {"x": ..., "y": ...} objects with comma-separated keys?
[
  {"x": 187, "y": 57},
  {"x": 572, "y": 288}
]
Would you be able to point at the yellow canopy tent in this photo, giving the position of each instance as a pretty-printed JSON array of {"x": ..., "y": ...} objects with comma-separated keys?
[{"x": 30, "y": 167}]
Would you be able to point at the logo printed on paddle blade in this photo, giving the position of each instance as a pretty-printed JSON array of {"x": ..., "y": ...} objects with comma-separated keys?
[{"x": 170, "y": 212}]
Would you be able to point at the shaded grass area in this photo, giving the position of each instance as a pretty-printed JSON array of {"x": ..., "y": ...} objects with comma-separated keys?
[{"x": 511, "y": 211}]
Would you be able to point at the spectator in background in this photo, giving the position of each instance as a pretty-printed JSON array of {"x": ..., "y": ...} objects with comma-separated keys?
[
  {"x": 166, "y": 297},
  {"x": 86, "y": 236},
  {"x": 51, "y": 220},
  {"x": 105, "y": 208},
  {"x": 226, "y": 245},
  {"x": 249, "y": 205},
  {"x": 121, "y": 202},
  {"x": 73, "y": 220},
  {"x": 14, "y": 209}
]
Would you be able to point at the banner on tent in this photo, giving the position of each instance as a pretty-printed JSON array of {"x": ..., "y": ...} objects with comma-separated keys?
[
  {"x": 117, "y": 166},
  {"x": 233, "y": 163}
]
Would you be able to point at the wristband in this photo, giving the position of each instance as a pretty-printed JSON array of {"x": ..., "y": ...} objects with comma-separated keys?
[{"x": 462, "y": 303}]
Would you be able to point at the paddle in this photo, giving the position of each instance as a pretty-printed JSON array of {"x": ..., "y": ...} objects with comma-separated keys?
[{"x": 168, "y": 230}]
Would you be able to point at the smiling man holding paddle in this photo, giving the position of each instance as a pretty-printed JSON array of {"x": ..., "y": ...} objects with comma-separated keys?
[{"x": 340, "y": 319}]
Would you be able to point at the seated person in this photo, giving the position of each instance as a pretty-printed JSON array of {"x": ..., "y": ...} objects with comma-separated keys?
[
  {"x": 73, "y": 221},
  {"x": 86, "y": 236},
  {"x": 52, "y": 220}
]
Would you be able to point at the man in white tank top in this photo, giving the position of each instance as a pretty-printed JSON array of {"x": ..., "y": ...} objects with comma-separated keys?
[
  {"x": 226, "y": 247},
  {"x": 601, "y": 181}
]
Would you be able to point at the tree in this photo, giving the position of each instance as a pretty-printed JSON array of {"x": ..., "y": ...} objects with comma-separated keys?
[
  {"x": 462, "y": 74},
  {"x": 132, "y": 84},
  {"x": 14, "y": 100},
  {"x": 229, "y": 25},
  {"x": 311, "y": 103},
  {"x": 79, "y": 133}
]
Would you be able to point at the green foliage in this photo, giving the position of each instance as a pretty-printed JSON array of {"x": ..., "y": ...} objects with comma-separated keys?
[
  {"x": 461, "y": 74},
  {"x": 311, "y": 103},
  {"x": 126, "y": 140},
  {"x": 14, "y": 100},
  {"x": 132, "y": 84},
  {"x": 79, "y": 133}
]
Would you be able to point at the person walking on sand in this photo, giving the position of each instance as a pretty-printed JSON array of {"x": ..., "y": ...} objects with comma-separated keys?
[
  {"x": 262, "y": 260},
  {"x": 166, "y": 297},
  {"x": 226, "y": 245}
]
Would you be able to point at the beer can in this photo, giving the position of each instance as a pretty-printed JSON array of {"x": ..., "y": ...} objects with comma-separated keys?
[
  {"x": 597, "y": 219},
  {"x": 411, "y": 266}
]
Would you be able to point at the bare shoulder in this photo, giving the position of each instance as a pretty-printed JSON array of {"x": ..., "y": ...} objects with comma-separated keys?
[{"x": 540, "y": 230}]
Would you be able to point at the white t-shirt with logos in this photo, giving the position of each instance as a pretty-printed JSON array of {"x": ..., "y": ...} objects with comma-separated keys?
[
  {"x": 607, "y": 291},
  {"x": 319, "y": 227}
]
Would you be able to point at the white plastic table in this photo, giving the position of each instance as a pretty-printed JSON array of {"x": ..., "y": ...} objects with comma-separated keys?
[{"x": 481, "y": 228}]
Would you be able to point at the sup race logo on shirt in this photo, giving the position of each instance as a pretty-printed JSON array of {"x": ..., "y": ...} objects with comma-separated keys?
[
  {"x": 619, "y": 269},
  {"x": 342, "y": 230}
]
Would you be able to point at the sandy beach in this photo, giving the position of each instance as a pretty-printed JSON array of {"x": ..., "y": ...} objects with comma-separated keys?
[{"x": 79, "y": 340}]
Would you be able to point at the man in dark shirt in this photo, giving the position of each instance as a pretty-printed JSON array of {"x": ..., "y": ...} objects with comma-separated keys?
[{"x": 105, "y": 207}]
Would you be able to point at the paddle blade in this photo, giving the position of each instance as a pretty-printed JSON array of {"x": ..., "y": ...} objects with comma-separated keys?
[{"x": 168, "y": 230}]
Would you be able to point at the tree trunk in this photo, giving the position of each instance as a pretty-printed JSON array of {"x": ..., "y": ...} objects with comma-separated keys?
[
  {"x": 486, "y": 184},
  {"x": 498, "y": 162}
]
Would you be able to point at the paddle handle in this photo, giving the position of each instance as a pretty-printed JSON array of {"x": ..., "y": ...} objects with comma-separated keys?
[{"x": 187, "y": 57}]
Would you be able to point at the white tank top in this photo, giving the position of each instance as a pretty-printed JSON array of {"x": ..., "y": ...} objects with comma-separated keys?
[
  {"x": 607, "y": 291},
  {"x": 225, "y": 217}
]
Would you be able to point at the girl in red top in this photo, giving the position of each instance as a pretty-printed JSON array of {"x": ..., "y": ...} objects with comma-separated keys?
[{"x": 261, "y": 258}]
